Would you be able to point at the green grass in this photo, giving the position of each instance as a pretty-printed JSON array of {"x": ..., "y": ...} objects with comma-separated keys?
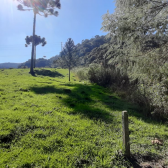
[{"x": 48, "y": 122}]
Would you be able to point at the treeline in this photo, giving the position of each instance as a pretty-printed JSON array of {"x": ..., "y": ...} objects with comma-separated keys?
[
  {"x": 40, "y": 63},
  {"x": 83, "y": 51},
  {"x": 85, "y": 48}
]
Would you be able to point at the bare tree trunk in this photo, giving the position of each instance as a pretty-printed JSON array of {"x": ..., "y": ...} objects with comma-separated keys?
[
  {"x": 69, "y": 73},
  {"x": 34, "y": 25},
  {"x": 34, "y": 56}
]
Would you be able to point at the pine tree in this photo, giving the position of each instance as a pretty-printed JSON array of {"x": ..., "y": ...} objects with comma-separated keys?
[{"x": 68, "y": 58}]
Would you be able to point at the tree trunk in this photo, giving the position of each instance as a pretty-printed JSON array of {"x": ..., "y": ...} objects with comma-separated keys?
[
  {"x": 32, "y": 56},
  {"x": 69, "y": 73}
]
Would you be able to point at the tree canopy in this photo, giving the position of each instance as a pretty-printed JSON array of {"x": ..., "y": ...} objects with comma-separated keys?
[
  {"x": 41, "y": 7},
  {"x": 139, "y": 32},
  {"x": 68, "y": 57},
  {"x": 38, "y": 40}
]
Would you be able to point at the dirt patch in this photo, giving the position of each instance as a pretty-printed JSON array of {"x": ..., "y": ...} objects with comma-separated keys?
[{"x": 149, "y": 160}]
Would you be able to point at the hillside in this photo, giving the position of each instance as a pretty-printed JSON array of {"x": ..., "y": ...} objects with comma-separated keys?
[
  {"x": 40, "y": 62},
  {"x": 47, "y": 121},
  {"x": 9, "y": 65}
]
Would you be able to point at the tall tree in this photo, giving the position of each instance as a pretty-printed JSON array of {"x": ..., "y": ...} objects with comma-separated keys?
[
  {"x": 68, "y": 58},
  {"x": 141, "y": 25},
  {"x": 141, "y": 31},
  {"x": 138, "y": 21},
  {"x": 38, "y": 40},
  {"x": 41, "y": 7}
]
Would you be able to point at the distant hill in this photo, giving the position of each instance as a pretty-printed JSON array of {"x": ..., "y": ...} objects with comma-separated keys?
[
  {"x": 9, "y": 65},
  {"x": 92, "y": 50},
  {"x": 40, "y": 62},
  {"x": 89, "y": 50}
]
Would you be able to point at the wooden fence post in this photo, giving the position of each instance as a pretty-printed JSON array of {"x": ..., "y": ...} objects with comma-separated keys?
[{"x": 125, "y": 134}]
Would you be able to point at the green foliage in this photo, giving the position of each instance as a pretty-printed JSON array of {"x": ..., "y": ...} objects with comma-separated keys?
[
  {"x": 85, "y": 57},
  {"x": 38, "y": 40},
  {"x": 138, "y": 31},
  {"x": 44, "y": 7},
  {"x": 107, "y": 76},
  {"x": 87, "y": 45},
  {"x": 118, "y": 83},
  {"x": 41, "y": 62},
  {"x": 81, "y": 73},
  {"x": 45, "y": 121},
  {"x": 68, "y": 58}
]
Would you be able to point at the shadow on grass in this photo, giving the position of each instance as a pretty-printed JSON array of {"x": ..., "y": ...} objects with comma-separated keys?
[
  {"x": 46, "y": 72},
  {"x": 136, "y": 160},
  {"x": 46, "y": 90},
  {"x": 87, "y": 99},
  {"x": 82, "y": 99},
  {"x": 148, "y": 160}
]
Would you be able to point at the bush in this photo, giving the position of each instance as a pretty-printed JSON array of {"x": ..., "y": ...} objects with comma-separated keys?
[
  {"x": 151, "y": 98},
  {"x": 23, "y": 67},
  {"x": 158, "y": 94},
  {"x": 120, "y": 84},
  {"x": 81, "y": 72},
  {"x": 107, "y": 76}
]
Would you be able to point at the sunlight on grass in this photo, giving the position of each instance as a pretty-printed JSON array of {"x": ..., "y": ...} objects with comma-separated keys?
[{"x": 46, "y": 121}]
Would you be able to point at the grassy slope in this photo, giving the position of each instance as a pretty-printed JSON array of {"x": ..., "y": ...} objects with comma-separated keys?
[{"x": 46, "y": 121}]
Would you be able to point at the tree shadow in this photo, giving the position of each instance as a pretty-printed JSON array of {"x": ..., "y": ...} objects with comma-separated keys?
[
  {"x": 46, "y": 72},
  {"x": 82, "y": 98},
  {"x": 136, "y": 160},
  {"x": 86, "y": 101},
  {"x": 149, "y": 158},
  {"x": 46, "y": 90},
  {"x": 32, "y": 73}
]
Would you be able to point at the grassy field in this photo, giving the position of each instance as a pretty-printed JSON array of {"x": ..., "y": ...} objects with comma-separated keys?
[{"x": 48, "y": 122}]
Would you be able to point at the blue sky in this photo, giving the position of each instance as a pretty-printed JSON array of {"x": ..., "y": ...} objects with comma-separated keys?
[{"x": 78, "y": 19}]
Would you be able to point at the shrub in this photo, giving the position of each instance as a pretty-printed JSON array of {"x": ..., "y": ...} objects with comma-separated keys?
[
  {"x": 152, "y": 98},
  {"x": 120, "y": 84},
  {"x": 107, "y": 76},
  {"x": 81, "y": 72}
]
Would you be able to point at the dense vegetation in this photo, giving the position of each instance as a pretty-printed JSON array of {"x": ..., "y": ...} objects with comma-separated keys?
[
  {"x": 138, "y": 50},
  {"x": 46, "y": 121},
  {"x": 144, "y": 45},
  {"x": 40, "y": 62}
]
